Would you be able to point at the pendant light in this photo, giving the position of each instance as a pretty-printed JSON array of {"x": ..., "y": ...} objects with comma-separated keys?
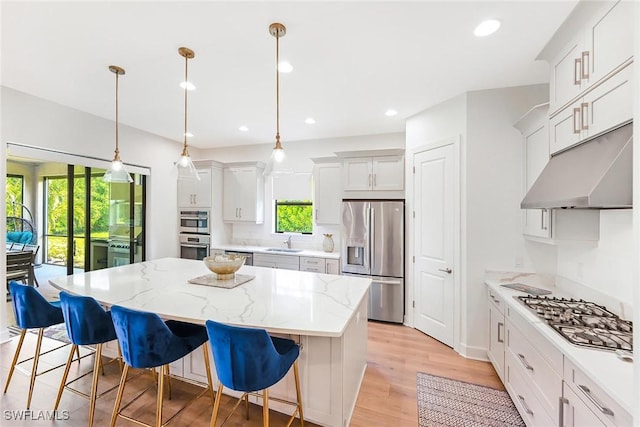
[
  {"x": 117, "y": 172},
  {"x": 277, "y": 163},
  {"x": 186, "y": 169}
]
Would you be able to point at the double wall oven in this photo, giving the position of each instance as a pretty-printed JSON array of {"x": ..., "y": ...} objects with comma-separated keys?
[{"x": 195, "y": 237}]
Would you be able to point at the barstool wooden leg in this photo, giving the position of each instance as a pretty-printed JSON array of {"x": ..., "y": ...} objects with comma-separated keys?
[
  {"x": 15, "y": 358},
  {"x": 207, "y": 366},
  {"x": 265, "y": 408},
  {"x": 63, "y": 382},
  {"x": 216, "y": 406},
  {"x": 296, "y": 374},
  {"x": 160, "y": 396},
  {"x": 166, "y": 368},
  {"x": 246, "y": 405},
  {"x": 116, "y": 406},
  {"x": 78, "y": 353},
  {"x": 94, "y": 384},
  {"x": 34, "y": 369}
]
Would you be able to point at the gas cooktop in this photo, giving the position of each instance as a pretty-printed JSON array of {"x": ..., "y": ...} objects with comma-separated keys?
[{"x": 583, "y": 323}]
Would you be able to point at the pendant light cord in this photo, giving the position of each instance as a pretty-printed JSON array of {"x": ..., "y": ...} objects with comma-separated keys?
[
  {"x": 117, "y": 150},
  {"x": 186, "y": 82},
  {"x": 277, "y": 89}
]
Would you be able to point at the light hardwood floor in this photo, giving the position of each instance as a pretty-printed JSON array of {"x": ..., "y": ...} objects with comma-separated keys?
[{"x": 387, "y": 397}]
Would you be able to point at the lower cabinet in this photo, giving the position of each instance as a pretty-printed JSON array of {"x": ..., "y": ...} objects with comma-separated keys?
[
  {"x": 495, "y": 351},
  {"x": 293, "y": 262}
]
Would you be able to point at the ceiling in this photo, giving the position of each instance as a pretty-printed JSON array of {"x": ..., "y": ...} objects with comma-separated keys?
[{"x": 351, "y": 60}]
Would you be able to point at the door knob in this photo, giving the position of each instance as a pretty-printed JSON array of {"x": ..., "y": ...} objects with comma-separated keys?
[{"x": 446, "y": 270}]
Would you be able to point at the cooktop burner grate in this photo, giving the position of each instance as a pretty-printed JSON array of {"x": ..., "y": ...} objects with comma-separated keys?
[{"x": 583, "y": 323}]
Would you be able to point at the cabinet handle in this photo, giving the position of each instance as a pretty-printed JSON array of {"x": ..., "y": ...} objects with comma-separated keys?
[
  {"x": 500, "y": 325},
  {"x": 369, "y": 180},
  {"x": 593, "y": 400},
  {"x": 312, "y": 262},
  {"x": 543, "y": 223},
  {"x": 526, "y": 408},
  {"x": 584, "y": 115},
  {"x": 316, "y": 214},
  {"x": 240, "y": 212},
  {"x": 577, "y": 71},
  {"x": 585, "y": 64},
  {"x": 562, "y": 401},
  {"x": 524, "y": 362},
  {"x": 374, "y": 179},
  {"x": 237, "y": 213},
  {"x": 576, "y": 123}
]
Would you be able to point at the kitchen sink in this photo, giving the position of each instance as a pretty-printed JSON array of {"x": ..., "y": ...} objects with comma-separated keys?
[{"x": 283, "y": 250}]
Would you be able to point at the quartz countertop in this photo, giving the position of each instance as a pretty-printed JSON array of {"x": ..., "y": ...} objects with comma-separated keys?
[
  {"x": 278, "y": 300},
  {"x": 613, "y": 375},
  {"x": 263, "y": 249}
]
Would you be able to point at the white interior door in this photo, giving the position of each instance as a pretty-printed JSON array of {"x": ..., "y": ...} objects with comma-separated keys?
[{"x": 434, "y": 189}]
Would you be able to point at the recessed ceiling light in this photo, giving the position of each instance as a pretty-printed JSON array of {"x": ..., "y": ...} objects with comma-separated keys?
[
  {"x": 187, "y": 85},
  {"x": 309, "y": 120},
  {"x": 285, "y": 67},
  {"x": 390, "y": 113},
  {"x": 243, "y": 129},
  {"x": 188, "y": 134},
  {"x": 486, "y": 28}
]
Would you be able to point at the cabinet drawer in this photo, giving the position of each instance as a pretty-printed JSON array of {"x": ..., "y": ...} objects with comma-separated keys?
[
  {"x": 276, "y": 259},
  {"x": 546, "y": 382},
  {"x": 549, "y": 353},
  {"x": 575, "y": 413},
  {"x": 496, "y": 300},
  {"x": 312, "y": 263},
  {"x": 524, "y": 396},
  {"x": 600, "y": 403}
]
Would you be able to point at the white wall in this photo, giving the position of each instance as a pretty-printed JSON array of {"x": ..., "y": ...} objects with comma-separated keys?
[
  {"x": 35, "y": 121},
  {"x": 299, "y": 154}
]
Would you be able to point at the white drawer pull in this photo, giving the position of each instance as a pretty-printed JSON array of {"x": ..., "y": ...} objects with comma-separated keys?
[
  {"x": 526, "y": 408},
  {"x": 524, "y": 362},
  {"x": 593, "y": 400}
]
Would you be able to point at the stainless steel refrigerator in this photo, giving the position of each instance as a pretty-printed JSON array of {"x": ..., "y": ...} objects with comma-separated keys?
[{"x": 373, "y": 247}]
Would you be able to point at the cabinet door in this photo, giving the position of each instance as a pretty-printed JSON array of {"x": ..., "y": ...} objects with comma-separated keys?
[
  {"x": 327, "y": 193},
  {"x": 357, "y": 174},
  {"x": 566, "y": 73},
  {"x": 536, "y": 152},
  {"x": 575, "y": 413},
  {"x": 230, "y": 195},
  {"x": 332, "y": 266},
  {"x": 388, "y": 173},
  {"x": 202, "y": 189},
  {"x": 609, "y": 104},
  {"x": 496, "y": 339},
  {"x": 565, "y": 128},
  {"x": 243, "y": 195},
  {"x": 607, "y": 40},
  {"x": 186, "y": 194}
]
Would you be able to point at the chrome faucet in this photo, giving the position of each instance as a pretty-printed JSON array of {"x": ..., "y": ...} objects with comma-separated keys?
[{"x": 288, "y": 242}]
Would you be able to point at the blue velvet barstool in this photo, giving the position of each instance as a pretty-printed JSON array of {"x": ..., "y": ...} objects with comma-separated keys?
[
  {"x": 147, "y": 341},
  {"x": 250, "y": 360},
  {"x": 87, "y": 324},
  {"x": 32, "y": 311}
]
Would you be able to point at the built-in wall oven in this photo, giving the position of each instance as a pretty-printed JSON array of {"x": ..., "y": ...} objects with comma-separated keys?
[
  {"x": 194, "y": 221},
  {"x": 194, "y": 246}
]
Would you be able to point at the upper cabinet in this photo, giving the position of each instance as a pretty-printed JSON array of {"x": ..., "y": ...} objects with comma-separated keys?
[
  {"x": 595, "y": 42},
  {"x": 591, "y": 59},
  {"x": 327, "y": 191},
  {"x": 373, "y": 173},
  {"x": 243, "y": 192},
  {"x": 197, "y": 193}
]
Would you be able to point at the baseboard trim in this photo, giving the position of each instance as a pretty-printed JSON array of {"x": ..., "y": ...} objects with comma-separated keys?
[{"x": 475, "y": 353}]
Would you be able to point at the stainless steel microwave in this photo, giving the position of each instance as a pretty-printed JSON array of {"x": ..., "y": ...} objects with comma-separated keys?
[{"x": 194, "y": 222}]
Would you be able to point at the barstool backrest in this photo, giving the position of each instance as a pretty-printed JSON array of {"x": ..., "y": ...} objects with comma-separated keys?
[
  {"x": 87, "y": 322},
  {"x": 31, "y": 309}
]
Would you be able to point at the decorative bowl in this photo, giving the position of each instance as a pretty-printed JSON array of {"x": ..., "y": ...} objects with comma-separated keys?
[{"x": 224, "y": 265}]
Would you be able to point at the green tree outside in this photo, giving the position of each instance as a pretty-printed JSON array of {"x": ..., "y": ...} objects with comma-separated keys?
[{"x": 294, "y": 216}]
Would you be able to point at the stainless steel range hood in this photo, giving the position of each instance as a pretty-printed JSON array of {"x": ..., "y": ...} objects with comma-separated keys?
[{"x": 597, "y": 174}]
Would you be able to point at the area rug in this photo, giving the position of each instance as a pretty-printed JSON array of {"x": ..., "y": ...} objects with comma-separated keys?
[
  {"x": 55, "y": 332},
  {"x": 447, "y": 402}
]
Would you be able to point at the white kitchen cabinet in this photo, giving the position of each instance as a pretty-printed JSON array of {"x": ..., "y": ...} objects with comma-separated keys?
[
  {"x": 497, "y": 333},
  {"x": 575, "y": 413},
  {"x": 327, "y": 193},
  {"x": 588, "y": 402},
  {"x": 332, "y": 266},
  {"x": 243, "y": 193},
  {"x": 603, "y": 107},
  {"x": 598, "y": 45},
  {"x": 382, "y": 173},
  {"x": 196, "y": 193},
  {"x": 286, "y": 262},
  {"x": 313, "y": 264},
  {"x": 535, "y": 133}
]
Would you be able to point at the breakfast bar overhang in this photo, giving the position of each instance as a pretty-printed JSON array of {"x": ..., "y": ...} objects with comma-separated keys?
[{"x": 326, "y": 314}]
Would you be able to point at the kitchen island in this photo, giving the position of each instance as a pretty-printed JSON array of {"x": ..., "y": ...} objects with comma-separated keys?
[{"x": 326, "y": 314}]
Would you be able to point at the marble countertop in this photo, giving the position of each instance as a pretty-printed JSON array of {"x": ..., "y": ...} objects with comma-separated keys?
[
  {"x": 610, "y": 373},
  {"x": 282, "y": 301},
  {"x": 263, "y": 249}
]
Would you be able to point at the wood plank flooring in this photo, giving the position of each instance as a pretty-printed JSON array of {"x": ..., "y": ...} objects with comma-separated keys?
[{"x": 387, "y": 397}]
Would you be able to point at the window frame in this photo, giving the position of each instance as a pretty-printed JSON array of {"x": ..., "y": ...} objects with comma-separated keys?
[{"x": 282, "y": 202}]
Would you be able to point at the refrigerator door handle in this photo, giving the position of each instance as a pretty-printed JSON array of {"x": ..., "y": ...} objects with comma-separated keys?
[{"x": 372, "y": 237}]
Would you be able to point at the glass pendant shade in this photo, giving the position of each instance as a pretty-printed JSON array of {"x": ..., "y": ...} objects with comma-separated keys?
[
  {"x": 186, "y": 169},
  {"x": 278, "y": 163}
]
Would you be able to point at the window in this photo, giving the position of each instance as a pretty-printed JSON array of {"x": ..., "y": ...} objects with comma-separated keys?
[
  {"x": 15, "y": 195},
  {"x": 294, "y": 216}
]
